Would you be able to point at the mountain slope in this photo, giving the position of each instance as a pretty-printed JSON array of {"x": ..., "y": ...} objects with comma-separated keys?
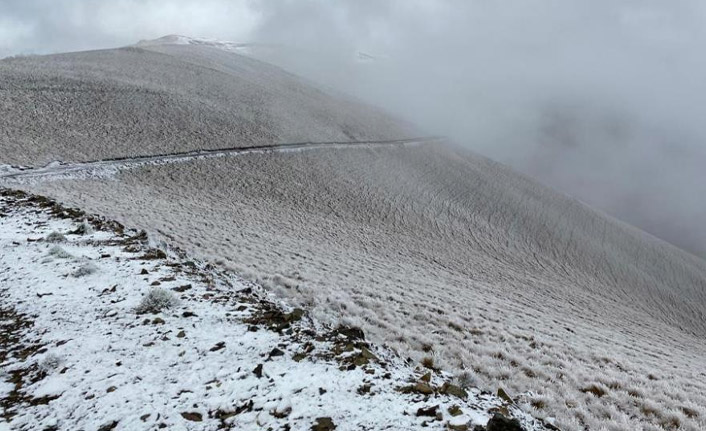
[
  {"x": 220, "y": 354},
  {"x": 159, "y": 99},
  {"x": 445, "y": 255}
]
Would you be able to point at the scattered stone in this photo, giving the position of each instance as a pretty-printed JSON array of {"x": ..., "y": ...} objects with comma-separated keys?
[
  {"x": 258, "y": 371},
  {"x": 109, "y": 426},
  {"x": 455, "y": 410},
  {"x": 418, "y": 388},
  {"x": 350, "y": 332},
  {"x": 192, "y": 416},
  {"x": 364, "y": 357},
  {"x": 131, "y": 248},
  {"x": 182, "y": 289},
  {"x": 322, "y": 391},
  {"x": 155, "y": 283},
  {"x": 153, "y": 254},
  {"x": 423, "y": 388},
  {"x": 427, "y": 411},
  {"x": 323, "y": 424},
  {"x": 158, "y": 321},
  {"x": 500, "y": 423},
  {"x": 107, "y": 291},
  {"x": 219, "y": 346},
  {"x": 502, "y": 410},
  {"x": 457, "y": 426},
  {"x": 502, "y": 394},
  {"x": 188, "y": 314},
  {"x": 144, "y": 418},
  {"x": 274, "y": 318},
  {"x": 364, "y": 389},
  {"x": 144, "y": 271},
  {"x": 295, "y": 315},
  {"x": 111, "y": 389},
  {"x": 426, "y": 377},
  {"x": 245, "y": 407},
  {"x": 276, "y": 352},
  {"x": 181, "y": 334},
  {"x": 453, "y": 390}
]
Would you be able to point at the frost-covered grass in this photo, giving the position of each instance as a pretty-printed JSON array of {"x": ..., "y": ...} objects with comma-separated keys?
[
  {"x": 156, "y": 300},
  {"x": 85, "y": 268},
  {"x": 58, "y": 252},
  {"x": 50, "y": 363},
  {"x": 427, "y": 247},
  {"x": 55, "y": 237},
  {"x": 83, "y": 228},
  {"x": 86, "y": 361}
]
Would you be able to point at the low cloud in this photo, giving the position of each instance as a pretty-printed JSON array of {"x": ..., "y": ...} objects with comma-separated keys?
[
  {"x": 603, "y": 100},
  {"x": 42, "y": 27}
]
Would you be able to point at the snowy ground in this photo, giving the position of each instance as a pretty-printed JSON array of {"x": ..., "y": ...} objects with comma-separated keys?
[
  {"x": 222, "y": 354},
  {"x": 425, "y": 247}
]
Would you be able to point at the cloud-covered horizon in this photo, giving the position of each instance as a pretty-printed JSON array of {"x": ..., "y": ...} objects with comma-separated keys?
[
  {"x": 41, "y": 27},
  {"x": 603, "y": 100}
]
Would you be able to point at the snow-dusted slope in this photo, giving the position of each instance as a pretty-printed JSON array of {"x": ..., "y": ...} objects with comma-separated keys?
[
  {"x": 78, "y": 352},
  {"x": 163, "y": 98},
  {"x": 429, "y": 248},
  {"x": 435, "y": 252}
]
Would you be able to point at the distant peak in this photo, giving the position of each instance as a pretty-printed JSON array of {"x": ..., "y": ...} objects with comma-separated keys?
[{"x": 175, "y": 39}]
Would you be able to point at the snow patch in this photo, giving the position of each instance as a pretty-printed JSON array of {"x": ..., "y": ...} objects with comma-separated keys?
[{"x": 208, "y": 362}]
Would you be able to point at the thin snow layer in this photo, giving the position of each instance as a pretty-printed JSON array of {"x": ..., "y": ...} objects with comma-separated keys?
[
  {"x": 81, "y": 358},
  {"x": 166, "y": 98},
  {"x": 175, "y": 39},
  {"x": 437, "y": 252}
]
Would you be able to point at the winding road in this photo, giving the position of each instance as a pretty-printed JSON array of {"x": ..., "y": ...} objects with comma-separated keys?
[{"x": 107, "y": 166}]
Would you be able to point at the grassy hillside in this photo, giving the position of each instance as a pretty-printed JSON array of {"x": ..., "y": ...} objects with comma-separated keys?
[
  {"x": 439, "y": 253},
  {"x": 118, "y": 102},
  {"x": 443, "y": 254}
]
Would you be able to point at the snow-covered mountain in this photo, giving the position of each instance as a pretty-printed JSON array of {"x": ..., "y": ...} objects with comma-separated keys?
[{"x": 439, "y": 254}]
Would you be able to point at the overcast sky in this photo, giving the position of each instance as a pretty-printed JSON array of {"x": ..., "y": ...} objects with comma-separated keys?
[{"x": 603, "y": 99}]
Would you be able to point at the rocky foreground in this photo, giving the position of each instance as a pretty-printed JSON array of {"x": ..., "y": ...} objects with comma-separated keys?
[{"x": 102, "y": 330}]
